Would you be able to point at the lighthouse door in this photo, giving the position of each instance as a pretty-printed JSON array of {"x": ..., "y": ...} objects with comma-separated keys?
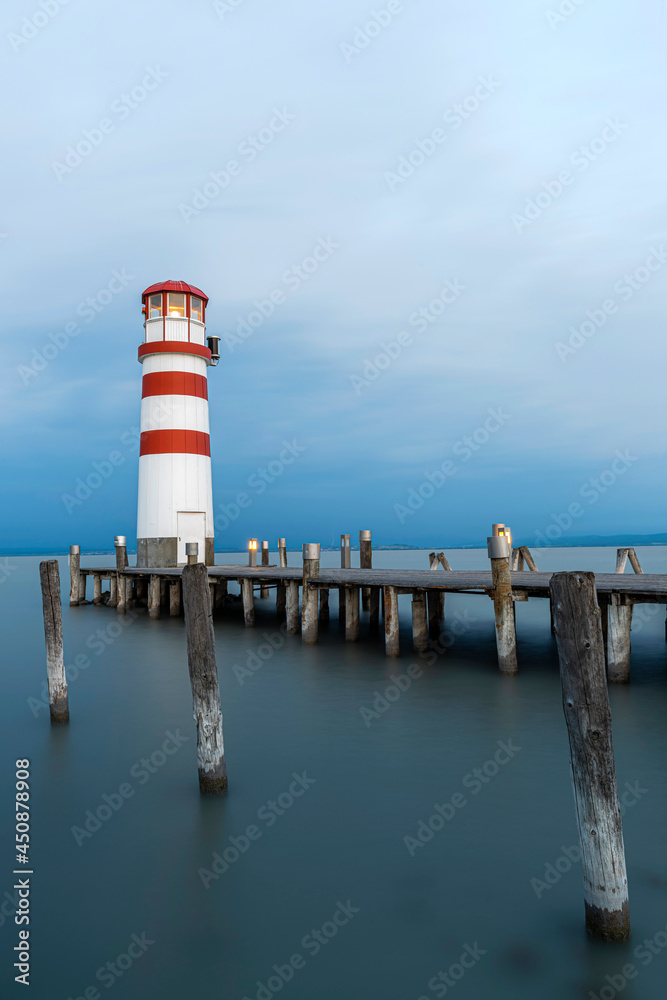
[{"x": 191, "y": 528}]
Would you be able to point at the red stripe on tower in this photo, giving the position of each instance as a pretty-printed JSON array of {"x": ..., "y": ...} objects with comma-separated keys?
[
  {"x": 174, "y": 384},
  {"x": 174, "y": 442}
]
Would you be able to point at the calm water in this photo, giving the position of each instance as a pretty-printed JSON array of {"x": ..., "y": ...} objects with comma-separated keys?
[{"x": 342, "y": 838}]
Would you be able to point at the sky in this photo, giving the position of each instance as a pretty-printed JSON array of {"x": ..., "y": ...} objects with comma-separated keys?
[{"x": 480, "y": 336}]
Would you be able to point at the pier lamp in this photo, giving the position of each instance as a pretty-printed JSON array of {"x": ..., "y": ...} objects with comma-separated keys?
[
  {"x": 345, "y": 553},
  {"x": 192, "y": 553},
  {"x": 252, "y": 552}
]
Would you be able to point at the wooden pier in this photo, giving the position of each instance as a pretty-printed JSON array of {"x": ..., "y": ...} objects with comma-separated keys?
[{"x": 160, "y": 591}]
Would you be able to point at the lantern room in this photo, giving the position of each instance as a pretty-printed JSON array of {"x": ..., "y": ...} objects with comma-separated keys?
[{"x": 174, "y": 310}]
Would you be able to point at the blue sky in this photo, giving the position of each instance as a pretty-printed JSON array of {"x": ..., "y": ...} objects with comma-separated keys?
[{"x": 499, "y": 168}]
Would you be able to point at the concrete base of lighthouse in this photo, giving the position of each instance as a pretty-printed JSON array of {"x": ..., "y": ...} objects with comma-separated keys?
[{"x": 161, "y": 553}]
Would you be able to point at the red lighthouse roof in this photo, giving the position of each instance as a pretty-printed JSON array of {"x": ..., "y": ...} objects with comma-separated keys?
[{"x": 174, "y": 286}]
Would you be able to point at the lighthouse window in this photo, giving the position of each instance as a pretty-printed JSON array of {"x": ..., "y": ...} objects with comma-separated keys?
[
  {"x": 176, "y": 304},
  {"x": 155, "y": 306},
  {"x": 195, "y": 308}
]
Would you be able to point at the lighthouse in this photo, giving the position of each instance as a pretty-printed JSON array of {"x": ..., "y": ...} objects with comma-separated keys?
[{"x": 175, "y": 490}]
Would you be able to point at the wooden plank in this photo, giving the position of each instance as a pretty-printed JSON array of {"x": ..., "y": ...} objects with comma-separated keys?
[
  {"x": 204, "y": 680},
  {"x": 588, "y": 717},
  {"x": 49, "y": 575}
]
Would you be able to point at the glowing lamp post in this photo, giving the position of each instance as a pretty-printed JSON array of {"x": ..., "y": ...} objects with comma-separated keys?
[{"x": 252, "y": 552}]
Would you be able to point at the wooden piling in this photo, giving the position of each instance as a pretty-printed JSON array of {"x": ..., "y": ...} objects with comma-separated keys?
[
  {"x": 74, "y": 566},
  {"x": 97, "y": 588},
  {"x": 619, "y": 626},
  {"x": 221, "y": 594},
  {"x": 365, "y": 562},
  {"x": 204, "y": 680},
  {"x": 374, "y": 609},
  {"x": 311, "y": 570},
  {"x": 174, "y": 598},
  {"x": 264, "y": 590},
  {"x": 113, "y": 591},
  {"x": 588, "y": 718},
  {"x": 634, "y": 561},
  {"x": 292, "y": 620},
  {"x": 281, "y": 590},
  {"x": 351, "y": 614},
  {"x": 248, "y": 597},
  {"x": 154, "y": 594},
  {"x": 419, "y": 622},
  {"x": 83, "y": 580},
  {"x": 391, "y": 638},
  {"x": 345, "y": 563},
  {"x": 503, "y": 605},
  {"x": 120, "y": 545},
  {"x": 324, "y": 606},
  {"x": 433, "y": 613},
  {"x": 49, "y": 575}
]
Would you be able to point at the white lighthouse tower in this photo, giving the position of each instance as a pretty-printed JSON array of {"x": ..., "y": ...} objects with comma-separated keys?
[{"x": 175, "y": 492}]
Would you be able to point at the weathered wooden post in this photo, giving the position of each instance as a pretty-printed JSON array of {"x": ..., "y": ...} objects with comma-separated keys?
[
  {"x": 154, "y": 595},
  {"x": 503, "y": 605},
  {"x": 433, "y": 604},
  {"x": 374, "y": 609},
  {"x": 281, "y": 591},
  {"x": 264, "y": 590},
  {"x": 419, "y": 625},
  {"x": 174, "y": 598},
  {"x": 311, "y": 570},
  {"x": 192, "y": 553},
  {"x": 588, "y": 716},
  {"x": 49, "y": 575},
  {"x": 204, "y": 680},
  {"x": 83, "y": 580},
  {"x": 324, "y": 605},
  {"x": 439, "y": 559},
  {"x": 391, "y": 638},
  {"x": 248, "y": 598},
  {"x": 221, "y": 594},
  {"x": 292, "y": 620},
  {"x": 351, "y": 614},
  {"x": 365, "y": 562},
  {"x": 619, "y": 626},
  {"x": 97, "y": 588},
  {"x": 113, "y": 591},
  {"x": 345, "y": 563},
  {"x": 120, "y": 545},
  {"x": 74, "y": 565}
]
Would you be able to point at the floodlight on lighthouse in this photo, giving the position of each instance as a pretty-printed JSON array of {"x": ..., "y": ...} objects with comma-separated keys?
[{"x": 175, "y": 492}]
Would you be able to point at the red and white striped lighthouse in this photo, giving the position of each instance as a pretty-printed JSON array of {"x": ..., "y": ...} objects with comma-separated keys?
[{"x": 175, "y": 492}]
